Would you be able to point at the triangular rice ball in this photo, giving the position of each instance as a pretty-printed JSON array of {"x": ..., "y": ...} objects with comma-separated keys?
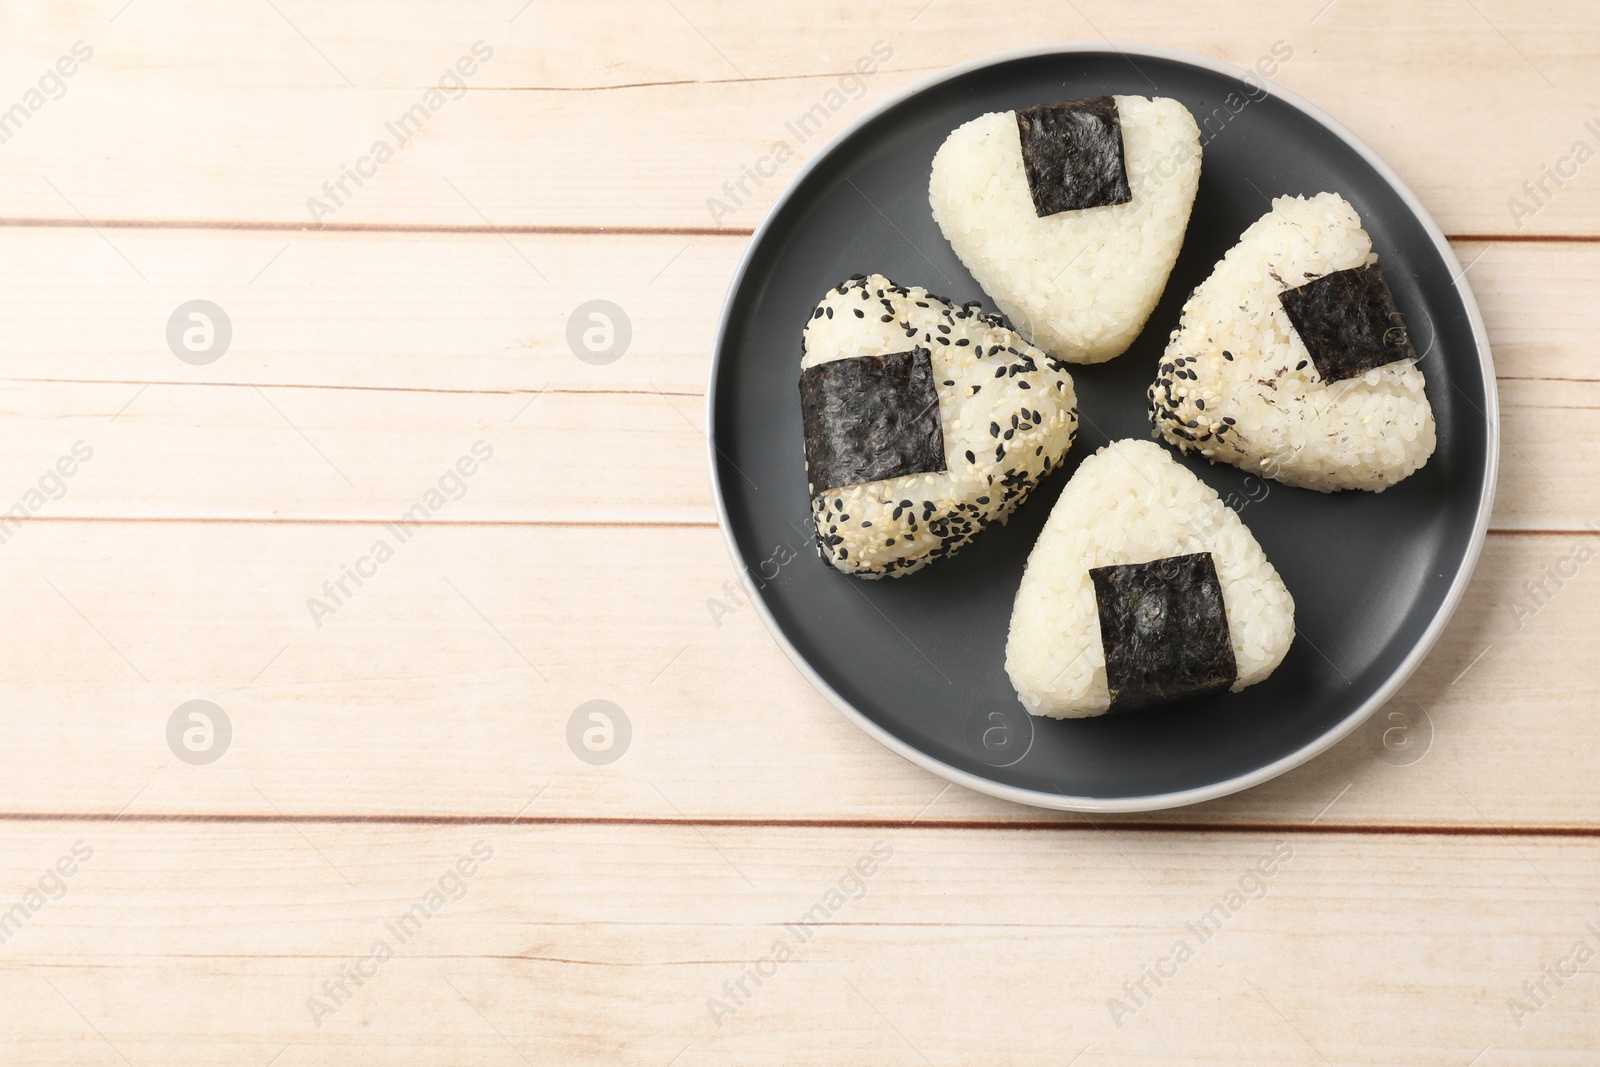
[
  {"x": 1143, "y": 587},
  {"x": 924, "y": 422},
  {"x": 1079, "y": 282},
  {"x": 1239, "y": 384}
]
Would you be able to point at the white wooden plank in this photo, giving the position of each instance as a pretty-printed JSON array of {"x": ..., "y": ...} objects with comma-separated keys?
[
  {"x": 465, "y": 311},
  {"x": 445, "y": 684},
  {"x": 441, "y": 312},
  {"x": 189, "y": 944},
  {"x": 168, "y": 450},
  {"x": 671, "y": 104},
  {"x": 418, "y": 346},
  {"x": 240, "y": 452}
]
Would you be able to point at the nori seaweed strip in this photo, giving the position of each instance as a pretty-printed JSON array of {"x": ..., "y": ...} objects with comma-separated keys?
[
  {"x": 1072, "y": 154},
  {"x": 870, "y": 417},
  {"x": 1348, "y": 322},
  {"x": 1164, "y": 630}
]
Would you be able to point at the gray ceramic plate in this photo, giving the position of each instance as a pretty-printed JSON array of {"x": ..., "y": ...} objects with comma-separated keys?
[{"x": 918, "y": 662}]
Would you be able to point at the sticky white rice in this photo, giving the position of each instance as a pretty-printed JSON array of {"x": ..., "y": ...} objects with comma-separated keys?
[
  {"x": 1079, "y": 284},
  {"x": 1008, "y": 413},
  {"x": 1131, "y": 502},
  {"x": 1237, "y": 385}
]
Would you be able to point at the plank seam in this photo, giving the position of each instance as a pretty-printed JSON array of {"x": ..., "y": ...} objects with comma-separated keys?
[
  {"x": 691, "y": 394},
  {"x": 290, "y": 520},
  {"x": 694, "y": 394},
  {"x": 1049, "y": 826},
  {"x": 268, "y": 225}
]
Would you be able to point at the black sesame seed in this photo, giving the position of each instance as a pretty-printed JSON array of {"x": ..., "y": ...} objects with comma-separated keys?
[
  {"x": 859, "y": 315},
  {"x": 887, "y": 318}
]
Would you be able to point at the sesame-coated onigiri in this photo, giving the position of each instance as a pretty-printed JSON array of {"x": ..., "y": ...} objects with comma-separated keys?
[
  {"x": 924, "y": 420},
  {"x": 1239, "y": 385}
]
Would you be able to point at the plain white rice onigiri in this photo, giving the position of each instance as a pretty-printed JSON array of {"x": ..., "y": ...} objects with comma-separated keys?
[
  {"x": 1079, "y": 284},
  {"x": 1132, "y": 502},
  {"x": 1237, "y": 385}
]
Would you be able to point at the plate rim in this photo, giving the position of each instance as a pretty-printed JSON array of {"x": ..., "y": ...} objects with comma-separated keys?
[{"x": 1154, "y": 801}]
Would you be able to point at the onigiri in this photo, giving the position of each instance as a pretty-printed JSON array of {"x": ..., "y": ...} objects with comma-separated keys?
[
  {"x": 1071, "y": 215},
  {"x": 1292, "y": 361},
  {"x": 1142, "y": 588},
  {"x": 924, "y": 422}
]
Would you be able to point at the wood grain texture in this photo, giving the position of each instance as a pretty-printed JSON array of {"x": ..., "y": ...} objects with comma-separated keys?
[
  {"x": 444, "y": 313},
  {"x": 1426, "y": 870},
  {"x": 540, "y": 141},
  {"x": 444, "y": 685},
  {"x": 451, "y": 312},
  {"x": 176, "y": 450},
  {"x": 362, "y": 365},
  {"x": 467, "y": 312},
  {"x": 559, "y": 947}
]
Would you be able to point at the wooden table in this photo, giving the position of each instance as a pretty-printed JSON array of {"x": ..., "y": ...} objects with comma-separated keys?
[{"x": 391, "y": 852}]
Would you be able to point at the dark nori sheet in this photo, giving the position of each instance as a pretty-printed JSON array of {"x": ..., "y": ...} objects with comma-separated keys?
[
  {"x": 1164, "y": 630},
  {"x": 1072, "y": 153},
  {"x": 870, "y": 417},
  {"x": 1348, "y": 322}
]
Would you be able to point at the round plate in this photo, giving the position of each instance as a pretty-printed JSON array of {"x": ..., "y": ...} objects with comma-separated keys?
[{"x": 919, "y": 662}]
